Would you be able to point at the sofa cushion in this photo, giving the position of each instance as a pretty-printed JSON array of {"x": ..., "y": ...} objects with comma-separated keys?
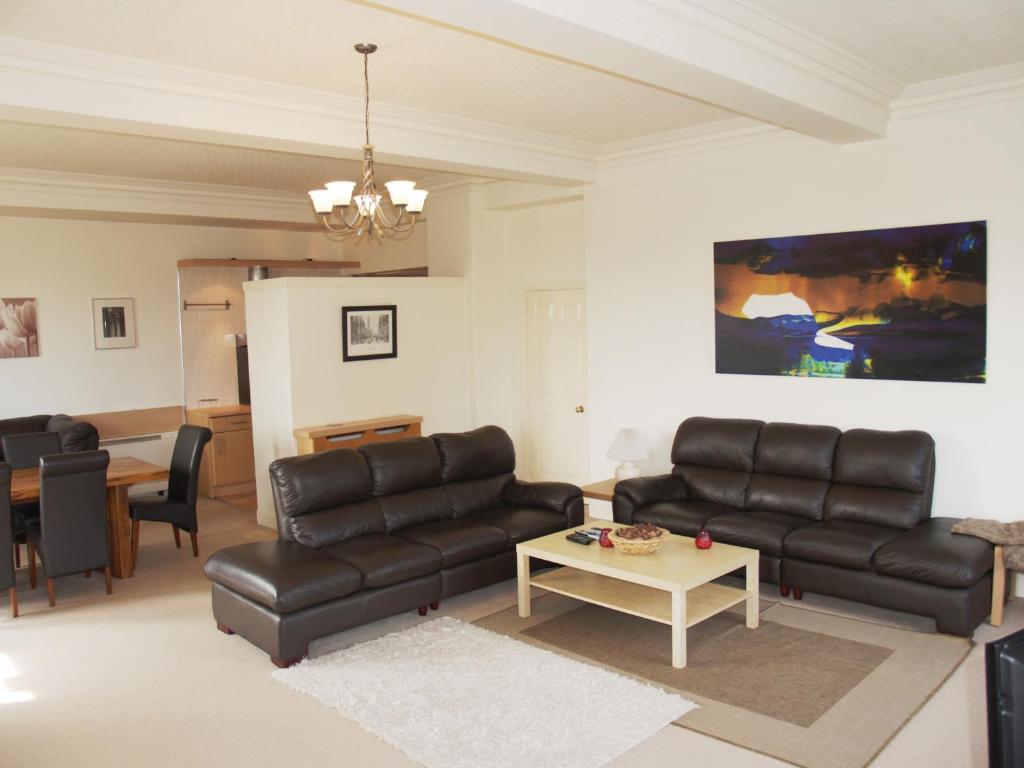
[
  {"x": 468, "y": 496},
  {"x": 483, "y": 452},
  {"x": 838, "y": 542},
  {"x": 796, "y": 450},
  {"x": 900, "y": 460},
  {"x": 521, "y": 523},
  {"x": 403, "y": 465},
  {"x": 385, "y": 560},
  {"x": 683, "y": 517},
  {"x": 876, "y": 506},
  {"x": 763, "y": 531},
  {"x": 423, "y": 505},
  {"x": 787, "y": 495},
  {"x": 282, "y": 575},
  {"x": 458, "y": 541},
  {"x": 715, "y": 458},
  {"x": 931, "y": 554},
  {"x": 75, "y": 435},
  {"x": 324, "y": 498},
  {"x": 22, "y": 425}
]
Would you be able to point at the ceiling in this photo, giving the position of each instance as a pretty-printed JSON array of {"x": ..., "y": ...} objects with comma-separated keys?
[
  {"x": 309, "y": 43},
  {"x": 49, "y": 148},
  {"x": 913, "y": 40}
]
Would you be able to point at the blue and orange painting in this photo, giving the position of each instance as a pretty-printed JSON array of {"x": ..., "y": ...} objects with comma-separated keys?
[{"x": 905, "y": 303}]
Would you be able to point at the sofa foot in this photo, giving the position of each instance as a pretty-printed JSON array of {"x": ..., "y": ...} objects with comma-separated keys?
[
  {"x": 225, "y": 629},
  {"x": 434, "y": 606},
  {"x": 422, "y": 610},
  {"x": 783, "y": 590},
  {"x": 285, "y": 663},
  {"x": 798, "y": 594}
]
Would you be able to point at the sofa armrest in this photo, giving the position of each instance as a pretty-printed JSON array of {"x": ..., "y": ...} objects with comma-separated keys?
[
  {"x": 630, "y": 495},
  {"x": 558, "y": 497},
  {"x": 285, "y": 576},
  {"x": 74, "y": 435}
]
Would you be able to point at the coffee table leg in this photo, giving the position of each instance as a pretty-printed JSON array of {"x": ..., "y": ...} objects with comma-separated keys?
[
  {"x": 753, "y": 593},
  {"x": 523, "y": 575},
  {"x": 678, "y": 630}
]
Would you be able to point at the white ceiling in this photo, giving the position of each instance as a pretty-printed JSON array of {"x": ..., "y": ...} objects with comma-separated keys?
[
  {"x": 309, "y": 43},
  {"x": 50, "y": 148},
  {"x": 914, "y": 40}
]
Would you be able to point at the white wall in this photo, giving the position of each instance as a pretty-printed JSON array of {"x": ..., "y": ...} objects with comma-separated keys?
[
  {"x": 650, "y": 229},
  {"x": 298, "y": 378}
]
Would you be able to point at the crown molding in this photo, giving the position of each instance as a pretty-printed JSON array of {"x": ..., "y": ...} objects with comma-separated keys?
[
  {"x": 59, "y": 85},
  {"x": 961, "y": 91},
  {"x": 26, "y": 190}
]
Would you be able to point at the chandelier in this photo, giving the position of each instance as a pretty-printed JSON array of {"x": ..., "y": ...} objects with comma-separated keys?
[{"x": 334, "y": 203}]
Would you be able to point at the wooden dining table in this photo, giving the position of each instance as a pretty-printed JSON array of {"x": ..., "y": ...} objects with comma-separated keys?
[{"x": 122, "y": 473}]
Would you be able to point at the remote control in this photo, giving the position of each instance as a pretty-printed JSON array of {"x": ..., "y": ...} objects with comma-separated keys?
[{"x": 579, "y": 538}]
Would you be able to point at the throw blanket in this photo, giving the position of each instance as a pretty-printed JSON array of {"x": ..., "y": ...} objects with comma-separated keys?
[{"x": 1009, "y": 535}]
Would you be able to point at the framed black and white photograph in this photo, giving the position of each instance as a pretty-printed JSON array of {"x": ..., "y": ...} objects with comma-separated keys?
[
  {"x": 113, "y": 323},
  {"x": 369, "y": 333}
]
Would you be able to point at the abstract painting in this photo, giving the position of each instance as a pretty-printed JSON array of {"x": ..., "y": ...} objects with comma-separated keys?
[
  {"x": 905, "y": 303},
  {"x": 18, "y": 335}
]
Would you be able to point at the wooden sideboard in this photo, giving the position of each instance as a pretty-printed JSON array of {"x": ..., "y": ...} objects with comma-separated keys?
[
  {"x": 229, "y": 466},
  {"x": 352, "y": 434}
]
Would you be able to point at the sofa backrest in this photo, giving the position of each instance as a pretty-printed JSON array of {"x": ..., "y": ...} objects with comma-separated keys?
[
  {"x": 883, "y": 478},
  {"x": 325, "y": 498},
  {"x": 74, "y": 435},
  {"x": 792, "y": 469},
  {"x": 861, "y": 475},
  {"x": 22, "y": 425},
  {"x": 475, "y": 467},
  {"x": 715, "y": 458},
  {"x": 407, "y": 481}
]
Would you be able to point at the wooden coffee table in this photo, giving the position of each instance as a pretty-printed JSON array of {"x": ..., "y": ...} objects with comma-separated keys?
[{"x": 671, "y": 586}]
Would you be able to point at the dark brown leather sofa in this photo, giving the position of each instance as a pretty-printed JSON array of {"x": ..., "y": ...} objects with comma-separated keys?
[
  {"x": 369, "y": 533},
  {"x": 846, "y": 514},
  {"x": 74, "y": 435}
]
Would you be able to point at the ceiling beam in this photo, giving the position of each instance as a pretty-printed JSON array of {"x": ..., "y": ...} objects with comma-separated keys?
[
  {"x": 720, "y": 52},
  {"x": 76, "y": 88}
]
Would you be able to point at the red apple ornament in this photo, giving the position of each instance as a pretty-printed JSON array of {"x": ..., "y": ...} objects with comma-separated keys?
[
  {"x": 703, "y": 539},
  {"x": 604, "y": 541}
]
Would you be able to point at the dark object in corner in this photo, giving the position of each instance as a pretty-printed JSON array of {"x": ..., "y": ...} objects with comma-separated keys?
[{"x": 1004, "y": 683}]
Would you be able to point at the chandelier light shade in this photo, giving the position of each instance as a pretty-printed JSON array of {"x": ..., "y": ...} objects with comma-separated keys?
[{"x": 368, "y": 217}]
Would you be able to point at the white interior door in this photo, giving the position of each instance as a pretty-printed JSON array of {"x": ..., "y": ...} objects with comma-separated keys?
[{"x": 557, "y": 385}]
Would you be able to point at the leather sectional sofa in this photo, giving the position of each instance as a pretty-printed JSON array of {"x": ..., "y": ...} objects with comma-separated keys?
[
  {"x": 372, "y": 532},
  {"x": 845, "y": 514},
  {"x": 74, "y": 435}
]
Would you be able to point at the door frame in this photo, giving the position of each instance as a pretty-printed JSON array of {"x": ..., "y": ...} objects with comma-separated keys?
[{"x": 525, "y": 462}]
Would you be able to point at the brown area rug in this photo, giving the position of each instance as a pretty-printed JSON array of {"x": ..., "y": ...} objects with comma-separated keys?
[{"x": 811, "y": 688}]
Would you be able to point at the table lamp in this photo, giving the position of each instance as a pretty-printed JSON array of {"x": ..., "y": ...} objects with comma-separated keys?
[{"x": 627, "y": 447}]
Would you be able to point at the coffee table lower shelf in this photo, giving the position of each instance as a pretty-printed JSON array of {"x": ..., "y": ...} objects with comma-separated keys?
[{"x": 646, "y": 602}]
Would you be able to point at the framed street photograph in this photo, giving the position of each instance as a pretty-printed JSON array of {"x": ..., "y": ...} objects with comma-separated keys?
[
  {"x": 113, "y": 323},
  {"x": 369, "y": 333}
]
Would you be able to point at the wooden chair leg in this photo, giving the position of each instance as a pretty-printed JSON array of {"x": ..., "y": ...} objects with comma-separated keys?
[
  {"x": 107, "y": 578},
  {"x": 51, "y": 592},
  {"x": 13, "y": 592},
  {"x": 31, "y": 565},
  {"x": 434, "y": 606},
  {"x": 195, "y": 544},
  {"x": 177, "y": 537},
  {"x": 798, "y": 594},
  {"x": 783, "y": 590},
  {"x": 88, "y": 574},
  {"x": 998, "y": 586},
  {"x": 422, "y": 610},
  {"x": 17, "y": 555},
  {"x": 135, "y": 542}
]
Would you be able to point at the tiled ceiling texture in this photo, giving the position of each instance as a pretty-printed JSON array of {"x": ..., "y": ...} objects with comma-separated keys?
[
  {"x": 309, "y": 43},
  {"x": 914, "y": 40},
  {"x": 49, "y": 148}
]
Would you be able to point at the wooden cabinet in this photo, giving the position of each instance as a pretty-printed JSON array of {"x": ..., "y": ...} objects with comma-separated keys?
[
  {"x": 229, "y": 467},
  {"x": 352, "y": 434}
]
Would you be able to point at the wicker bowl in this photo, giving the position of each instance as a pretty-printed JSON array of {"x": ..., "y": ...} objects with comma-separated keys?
[{"x": 638, "y": 546}]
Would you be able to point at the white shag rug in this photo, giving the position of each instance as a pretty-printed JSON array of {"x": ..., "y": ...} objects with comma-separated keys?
[{"x": 453, "y": 695}]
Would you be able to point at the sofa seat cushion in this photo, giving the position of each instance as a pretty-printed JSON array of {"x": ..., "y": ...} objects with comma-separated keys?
[
  {"x": 760, "y": 530},
  {"x": 384, "y": 559},
  {"x": 458, "y": 541},
  {"x": 838, "y": 542},
  {"x": 682, "y": 517},
  {"x": 521, "y": 523},
  {"x": 931, "y": 554},
  {"x": 283, "y": 575}
]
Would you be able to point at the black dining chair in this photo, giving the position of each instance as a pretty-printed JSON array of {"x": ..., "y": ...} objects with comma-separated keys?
[
  {"x": 178, "y": 507},
  {"x": 71, "y": 532},
  {"x": 24, "y": 452},
  {"x": 7, "y": 543}
]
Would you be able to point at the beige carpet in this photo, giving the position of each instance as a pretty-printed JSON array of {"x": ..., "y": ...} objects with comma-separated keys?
[
  {"x": 812, "y": 688},
  {"x": 143, "y": 678}
]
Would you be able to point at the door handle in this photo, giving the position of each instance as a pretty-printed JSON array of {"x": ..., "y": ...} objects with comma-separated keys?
[{"x": 580, "y": 409}]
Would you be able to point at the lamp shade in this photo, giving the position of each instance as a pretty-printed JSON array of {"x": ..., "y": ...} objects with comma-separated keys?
[
  {"x": 323, "y": 200},
  {"x": 399, "y": 191},
  {"x": 341, "y": 191},
  {"x": 628, "y": 446},
  {"x": 417, "y": 197}
]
